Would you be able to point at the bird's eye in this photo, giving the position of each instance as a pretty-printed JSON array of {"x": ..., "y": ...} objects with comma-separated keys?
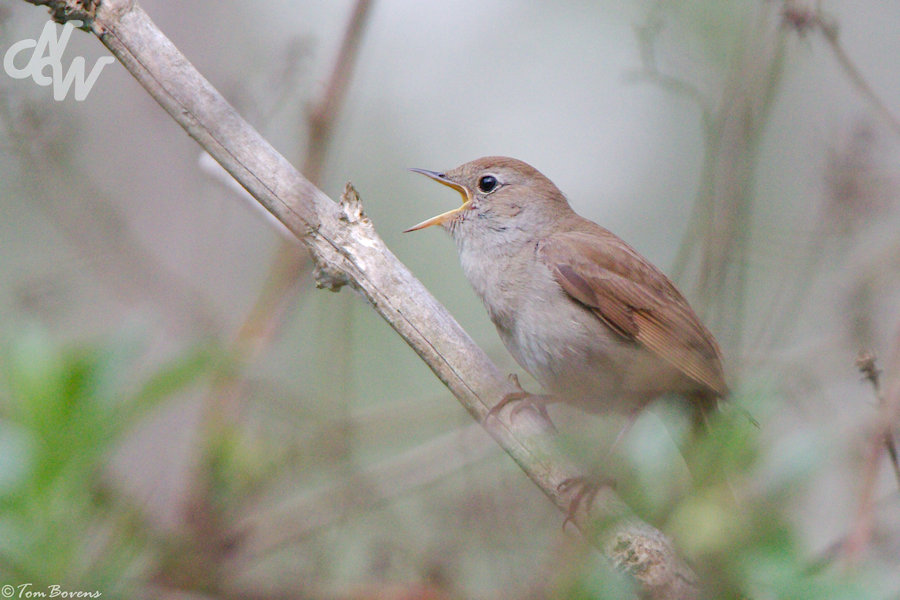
[{"x": 488, "y": 184}]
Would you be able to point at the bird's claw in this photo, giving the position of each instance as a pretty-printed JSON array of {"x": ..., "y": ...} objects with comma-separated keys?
[
  {"x": 524, "y": 400},
  {"x": 585, "y": 495}
]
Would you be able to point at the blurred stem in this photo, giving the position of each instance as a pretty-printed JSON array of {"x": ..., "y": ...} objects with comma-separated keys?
[
  {"x": 746, "y": 107},
  {"x": 92, "y": 224},
  {"x": 296, "y": 518},
  {"x": 787, "y": 303},
  {"x": 829, "y": 31},
  {"x": 322, "y": 116},
  {"x": 291, "y": 262},
  {"x": 290, "y": 266},
  {"x": 721, "y": 218},
  {"x": 881, "y": 439}
]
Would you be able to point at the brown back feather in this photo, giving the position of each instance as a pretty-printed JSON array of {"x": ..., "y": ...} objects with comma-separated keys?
[{"x": 634, "y": 298}]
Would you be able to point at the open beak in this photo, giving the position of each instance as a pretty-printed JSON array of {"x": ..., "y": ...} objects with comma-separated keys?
[{"x": 450, "y": 214}]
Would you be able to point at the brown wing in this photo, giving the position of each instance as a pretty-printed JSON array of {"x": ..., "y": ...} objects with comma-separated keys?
[{"x": 635, "y": 299}]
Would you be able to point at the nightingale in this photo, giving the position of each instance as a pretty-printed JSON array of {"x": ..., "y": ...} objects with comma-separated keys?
[{"x": 593, "y": 321}]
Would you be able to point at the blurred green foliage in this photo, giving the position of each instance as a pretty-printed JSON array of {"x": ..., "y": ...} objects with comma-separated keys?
[
  {"x": 63, "y": 411},
  {"x": 729, "y": 511}
]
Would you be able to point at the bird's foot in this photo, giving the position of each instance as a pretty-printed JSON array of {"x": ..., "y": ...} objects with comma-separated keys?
[
  {"x": 523, "y": 400},
  {"x": 583, "y": 496}
]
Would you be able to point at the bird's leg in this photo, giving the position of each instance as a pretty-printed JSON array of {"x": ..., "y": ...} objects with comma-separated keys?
[
  {"x": 588, "y": 488},
  {"x": 523, "y": 400}
]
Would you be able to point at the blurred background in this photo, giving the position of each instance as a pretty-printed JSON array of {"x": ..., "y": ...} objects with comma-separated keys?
[{"x": 183, "y": 415}]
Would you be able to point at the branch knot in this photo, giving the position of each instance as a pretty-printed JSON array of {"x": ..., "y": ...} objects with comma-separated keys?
[
  {"x": 351, "y": 206},
  {"x": 329, "y": 278}
]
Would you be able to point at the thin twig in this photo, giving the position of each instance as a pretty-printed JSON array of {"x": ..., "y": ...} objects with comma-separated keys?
[
  {"x": 290, "y": 267},
  {"x": 322, "y": 116},
  {"x": 295, "y": 519},
  {"x": 647, "y": 34},
  {"x": 719, "y": 225},
  {"x": 830, "y": 33},
  {"x": 866, "y": 363},
  {"x": 833, "y": 551},
  {"x": 803, "y": 20},
  {"x": 291, "y": 264},
  {"x": 94, "y": 227},
  {"x": 882, "y": 437}
]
